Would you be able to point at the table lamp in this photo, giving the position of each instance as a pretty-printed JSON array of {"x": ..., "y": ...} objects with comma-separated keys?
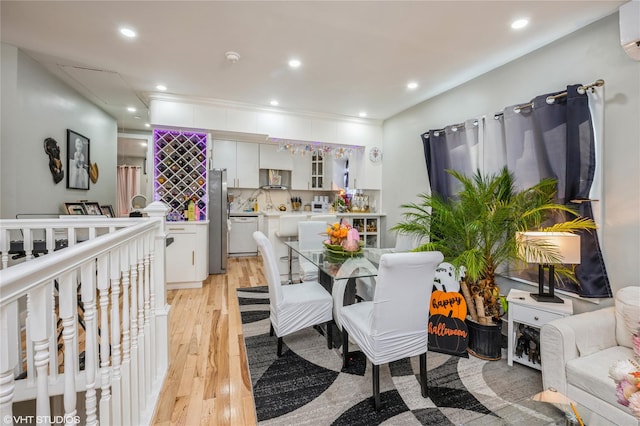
[{"x": 547, "y": 249}]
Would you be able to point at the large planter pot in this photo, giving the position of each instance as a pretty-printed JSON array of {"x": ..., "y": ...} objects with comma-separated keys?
[{"x": 485, "y": 341}]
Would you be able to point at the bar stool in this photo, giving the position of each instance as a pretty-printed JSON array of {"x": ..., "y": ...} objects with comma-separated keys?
[{"x": 288, "y": 230}]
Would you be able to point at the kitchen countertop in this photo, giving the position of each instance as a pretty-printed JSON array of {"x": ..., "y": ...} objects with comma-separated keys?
[
  {"x": 273, "y": 213},
  {"x": 249, "y": 214}
]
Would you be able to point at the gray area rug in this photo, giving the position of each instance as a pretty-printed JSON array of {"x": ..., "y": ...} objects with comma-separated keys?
[{"x": 307, "y": 385}]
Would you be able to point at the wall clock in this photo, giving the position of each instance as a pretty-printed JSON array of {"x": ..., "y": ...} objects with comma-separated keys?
[{"x": 375, "y": 154}]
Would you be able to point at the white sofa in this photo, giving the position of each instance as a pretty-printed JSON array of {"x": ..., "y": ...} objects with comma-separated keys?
[{"x": 577, "y": 352}]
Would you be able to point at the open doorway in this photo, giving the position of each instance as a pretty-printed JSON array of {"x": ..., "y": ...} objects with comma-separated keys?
[{"x": 135, "y": 156}]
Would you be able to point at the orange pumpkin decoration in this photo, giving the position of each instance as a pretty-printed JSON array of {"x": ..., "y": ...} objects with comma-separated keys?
[{"x": 444, "y": 302}]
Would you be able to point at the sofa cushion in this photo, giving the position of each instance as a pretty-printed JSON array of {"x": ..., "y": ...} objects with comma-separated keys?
[
  {"x": 627, "y": 314},
  {"x": 591, "y": 373}
]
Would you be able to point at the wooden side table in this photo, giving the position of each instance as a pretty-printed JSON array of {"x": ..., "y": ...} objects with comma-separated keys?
[{"x": 525, "y": 311}]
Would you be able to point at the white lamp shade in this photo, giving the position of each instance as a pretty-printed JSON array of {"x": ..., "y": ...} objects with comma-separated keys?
[{"x": 563, "y": 247}]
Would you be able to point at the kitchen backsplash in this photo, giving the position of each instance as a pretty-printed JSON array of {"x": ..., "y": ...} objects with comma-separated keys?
[{"x": 245, "y": 199}]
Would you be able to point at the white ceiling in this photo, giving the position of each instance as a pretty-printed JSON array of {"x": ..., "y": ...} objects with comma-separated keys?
[{"x": 356, "y": 55}]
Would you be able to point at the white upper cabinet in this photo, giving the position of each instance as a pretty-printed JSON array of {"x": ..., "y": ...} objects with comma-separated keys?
[
  {"x": 301, "y": 172},
  {"x": 271, "y": 158},
  {"x": 241, "y": 159},
  {"x": 367, "y": 173}
]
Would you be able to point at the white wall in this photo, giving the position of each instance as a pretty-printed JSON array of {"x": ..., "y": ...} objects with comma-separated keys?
[
  {"x": 37, "y": 105},
  {"x": 582, "y": 57}
]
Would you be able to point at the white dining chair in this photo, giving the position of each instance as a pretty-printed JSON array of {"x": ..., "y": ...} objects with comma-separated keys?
[
  {"x": 296, "y": 306},
  {"x": 394, "y": 325},
  {"x": 366, "y": 286},
  {"x": 311, "y": 234}
]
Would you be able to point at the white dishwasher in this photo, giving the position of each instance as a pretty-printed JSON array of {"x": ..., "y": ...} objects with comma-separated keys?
[{"x": 241, "y": 242}]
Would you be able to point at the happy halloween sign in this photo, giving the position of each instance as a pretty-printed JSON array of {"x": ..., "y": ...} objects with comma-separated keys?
[{"x": 448, "y": 332}]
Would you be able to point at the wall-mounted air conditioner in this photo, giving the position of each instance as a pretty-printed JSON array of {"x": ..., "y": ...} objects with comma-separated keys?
[{"x": 630, "y": 28}]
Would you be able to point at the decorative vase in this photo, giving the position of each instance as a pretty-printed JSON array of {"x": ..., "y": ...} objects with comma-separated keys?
[{"x": 485, "y": 341}]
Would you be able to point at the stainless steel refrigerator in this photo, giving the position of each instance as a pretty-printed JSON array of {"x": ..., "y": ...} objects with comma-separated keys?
[{"x": 218, "y": 214}]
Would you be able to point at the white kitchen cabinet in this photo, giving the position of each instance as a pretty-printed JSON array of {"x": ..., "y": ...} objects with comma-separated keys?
[
  {"x": 364, "y": 173},
  {"x": 301, "y": 172},
  {"x": 187, "y": 256},
  {"x": 241, "y": 159},
  {"x": 272, "y": 158}
]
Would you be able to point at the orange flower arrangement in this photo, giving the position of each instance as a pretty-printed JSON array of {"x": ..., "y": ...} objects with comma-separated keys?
[{"x": 338, "y": 233}]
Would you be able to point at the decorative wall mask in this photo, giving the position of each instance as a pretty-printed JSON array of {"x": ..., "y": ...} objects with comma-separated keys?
[{"x": 52, "y": 149}]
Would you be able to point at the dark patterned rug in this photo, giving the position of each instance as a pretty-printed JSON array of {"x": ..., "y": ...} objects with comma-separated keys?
[{"x": 307, "y": 385}]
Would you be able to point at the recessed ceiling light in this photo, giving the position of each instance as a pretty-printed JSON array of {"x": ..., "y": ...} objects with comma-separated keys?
[
  {"x": 294, "y": 63},
  {"x": 128, "y": 32},
  {"x": 147, "y": 125},
  {"x": 131, "y": 109},
  {"x": 161, "y": 87},
  {"x": 274, "y": 103},
  {"x": 144, "y": 143},
  {"x": 412, "y": 85},
  {"x": 363, "y": 114},
  {"x": 519, "y": 24}
]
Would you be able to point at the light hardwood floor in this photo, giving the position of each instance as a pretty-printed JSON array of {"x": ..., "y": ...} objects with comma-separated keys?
[{"x": 208, "y": 379}]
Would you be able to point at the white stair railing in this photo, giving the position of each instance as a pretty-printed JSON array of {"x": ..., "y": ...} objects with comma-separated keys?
[{"x": 117, "y": 277}]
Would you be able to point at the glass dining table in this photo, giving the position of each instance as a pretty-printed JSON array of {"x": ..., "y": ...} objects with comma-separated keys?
[{"x": 338, "y": 274}]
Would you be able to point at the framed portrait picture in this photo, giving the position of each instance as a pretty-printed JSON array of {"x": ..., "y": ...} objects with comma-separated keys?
[
  {"x": 77, "y": 160},
  {"x": 75, "y": 208},
  {"x": 92, "y": 208},
  {"x": 107, "y": 210}
]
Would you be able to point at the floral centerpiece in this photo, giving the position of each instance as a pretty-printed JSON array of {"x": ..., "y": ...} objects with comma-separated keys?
[
  {"x": 343, "y": 240},
  {"x": 626, "y": 374}
]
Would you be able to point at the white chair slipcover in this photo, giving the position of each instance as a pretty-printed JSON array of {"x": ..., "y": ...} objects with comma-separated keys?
[
  {"x": 311, "y": 234},
  {"x": 296, "y": 306},
  {"x": 394, "y": 325},
  {"x": 366, "y": 286}
]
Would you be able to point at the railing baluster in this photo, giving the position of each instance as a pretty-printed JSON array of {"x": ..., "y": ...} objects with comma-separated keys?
[
  {"x": 126, "y": 337},
  {"x": 8, "y": 357},
  {"x": 68, "y": 311},
  {"x": 143, "y": 365},
  {"x": 105, "y": 348},
  {"x": 116, "y": 377},
  {"x": 40, "y": 324},
  {"x": 4, "y": 247},
  {"x": 134, "y": 377},
  {"x": 149, "y": 317},
  {"x": 27, "y": 243},
  {"x": 88, "y": 295}
]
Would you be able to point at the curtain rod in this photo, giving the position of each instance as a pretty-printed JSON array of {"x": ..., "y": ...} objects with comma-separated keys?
[
  {"x": 551, "y": 99},
  {"x": 454, "y": 128},
  {"x": 581, "y": 90}
]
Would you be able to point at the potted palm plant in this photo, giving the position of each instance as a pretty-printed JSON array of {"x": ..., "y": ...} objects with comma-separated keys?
[{"x": 477, "y": 230}]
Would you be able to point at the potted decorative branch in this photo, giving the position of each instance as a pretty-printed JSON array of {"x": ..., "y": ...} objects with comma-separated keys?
[{"x": 478, "y": 228}]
